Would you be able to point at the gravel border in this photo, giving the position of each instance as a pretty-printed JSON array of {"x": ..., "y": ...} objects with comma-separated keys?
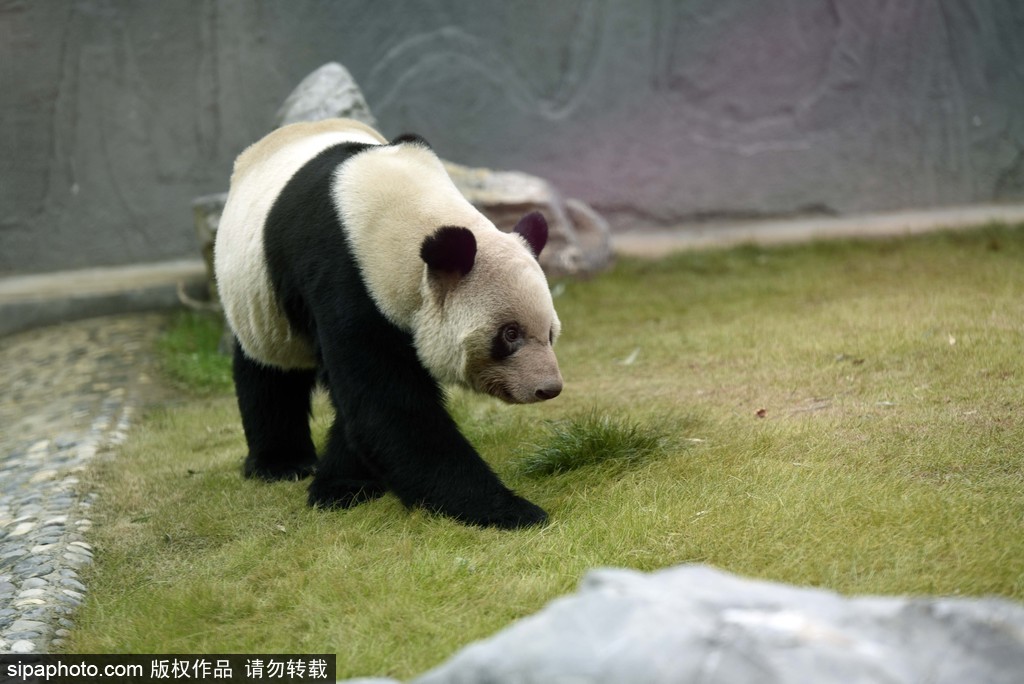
[{"x": 70, "y": 394}]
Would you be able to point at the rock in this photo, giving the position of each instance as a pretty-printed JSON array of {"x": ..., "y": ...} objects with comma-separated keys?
[
  {"x": 23, "y": 646},
  {"x": 694, "y": 623},
  {"x": 505, "y": 196},
  {"x": 28, "y": 626},
  {"x": 329, "y": 92}
]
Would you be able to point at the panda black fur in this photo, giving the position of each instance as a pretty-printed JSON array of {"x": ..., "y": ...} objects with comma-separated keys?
[{"x": 348, "y": 258}]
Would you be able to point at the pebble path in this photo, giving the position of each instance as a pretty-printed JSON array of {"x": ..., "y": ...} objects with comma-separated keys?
[{"x": 68, "y": 395}]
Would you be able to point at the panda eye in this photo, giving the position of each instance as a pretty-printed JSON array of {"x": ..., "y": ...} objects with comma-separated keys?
[
  {"x": 507, "y": 340},
  {"x": 511, "y": 333}
]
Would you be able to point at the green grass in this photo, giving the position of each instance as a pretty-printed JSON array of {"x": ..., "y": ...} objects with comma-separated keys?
[
  {"x": 594, "y": 440},
  {"x": 844, "y": 415},
  {"x": 188, "y": 354}
]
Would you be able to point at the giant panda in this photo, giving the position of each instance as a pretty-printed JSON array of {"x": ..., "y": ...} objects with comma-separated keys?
[{"x": 348, "y": 259}]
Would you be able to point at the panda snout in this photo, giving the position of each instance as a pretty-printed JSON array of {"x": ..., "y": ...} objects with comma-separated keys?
[{"x": 549, "y": 391}]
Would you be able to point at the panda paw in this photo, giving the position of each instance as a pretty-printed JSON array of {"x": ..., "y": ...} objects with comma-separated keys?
[
  {"x": 513, "y": 513},
  {"x": 343, "y": 493},
  {"x": 274, "y": 470}
]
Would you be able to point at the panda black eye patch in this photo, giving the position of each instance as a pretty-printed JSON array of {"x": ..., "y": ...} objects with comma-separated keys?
[{"x": 507, "y": 341}]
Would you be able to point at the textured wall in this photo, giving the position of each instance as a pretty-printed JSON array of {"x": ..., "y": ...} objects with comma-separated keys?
[{"x": 115, "y": 113}]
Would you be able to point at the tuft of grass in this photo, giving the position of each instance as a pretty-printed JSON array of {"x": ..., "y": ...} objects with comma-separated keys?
[
  {"x": 844, "y": 415},
  {"x": 594, "y": 439}
]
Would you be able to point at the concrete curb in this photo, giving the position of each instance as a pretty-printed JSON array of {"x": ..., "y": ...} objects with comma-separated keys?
[
  {"x": 778, "y": 231},
  {"x": 33, "y": 301}
]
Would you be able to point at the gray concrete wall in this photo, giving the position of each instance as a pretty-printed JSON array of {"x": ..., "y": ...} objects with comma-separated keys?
[{"x": 115, "y": 113}]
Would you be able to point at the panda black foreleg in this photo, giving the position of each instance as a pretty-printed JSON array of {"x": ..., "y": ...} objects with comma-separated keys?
[
  {"x": 343, "y": 479},
  {"x": 396, "y": 421},
  {"x": 275, "y": 407}
]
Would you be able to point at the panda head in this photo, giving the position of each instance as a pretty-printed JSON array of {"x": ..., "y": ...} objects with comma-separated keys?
[{"x": 488, "y": 321}]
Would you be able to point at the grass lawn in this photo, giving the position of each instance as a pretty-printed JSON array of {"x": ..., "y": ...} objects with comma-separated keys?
[{"x": 844, "y": 415}]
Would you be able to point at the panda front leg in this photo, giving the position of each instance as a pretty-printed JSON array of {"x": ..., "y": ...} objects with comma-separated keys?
[
  {"x": 394, "y": 418},
  {"x": 275, "y": 408},
  {"x": 343, "y": 479}
]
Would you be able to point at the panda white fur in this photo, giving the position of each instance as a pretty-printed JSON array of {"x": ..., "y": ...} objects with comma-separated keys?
[{"x": 342, "y": 256}]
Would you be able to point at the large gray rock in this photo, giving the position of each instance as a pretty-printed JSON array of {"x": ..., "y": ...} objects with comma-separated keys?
[
  {"x": 697, "y": 624},
  {"x": 329, "y": 92}
]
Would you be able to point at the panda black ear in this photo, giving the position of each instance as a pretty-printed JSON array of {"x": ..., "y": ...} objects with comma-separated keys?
[
  {"x": 534, "y": 228},
  {"x": 451, "y": 250}
]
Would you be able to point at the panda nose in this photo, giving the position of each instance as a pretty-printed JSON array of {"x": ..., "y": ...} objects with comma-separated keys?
[{"x": 549, "y": 392}]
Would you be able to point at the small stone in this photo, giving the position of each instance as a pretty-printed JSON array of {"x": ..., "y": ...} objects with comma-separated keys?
[
  {"x": 31, "y": 593},
  {"x": 22, "y": 529},
  {"x": 47, "y": 540},
  {"x": 61, "y": 633},
  {"x": 13, "y": 553},
  {"x": 33, "y": 583},
  {"x": 38, "y": 448},
  {"x": 33, "y": 567},
  {"x": 58, "y": 520},
  {"x": 6, "y": 589},
  {"x": 77, "y": 559},
  {"x": 74, "y": 584},
  {"x": 72, "y": 593},
  {"x": 65, "y": 441},
  {"x": 41, "y": 547},
  {"x": 30, "y": 511},
  {"x": 58, "y": 643},
  {"x": 21, "y": 603},
  {"x": 84, "y": 545},
  {"x": 23, "y": 646},
  {"x": 25, "y": 634},
  {"x": 28, "y": 626},
  {"x": 43, "y": 476}
]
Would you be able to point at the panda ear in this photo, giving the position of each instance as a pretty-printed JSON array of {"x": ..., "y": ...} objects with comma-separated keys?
[
  {"x": 451, "y": 251},
  {"x": 411, "y": 138},
  {"x": 534, "y": 228}
]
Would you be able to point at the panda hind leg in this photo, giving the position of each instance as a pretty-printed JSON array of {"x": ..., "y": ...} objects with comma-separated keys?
[
  {"x": 342, "y": 479},
  {"x": 275, "y": 408}
]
